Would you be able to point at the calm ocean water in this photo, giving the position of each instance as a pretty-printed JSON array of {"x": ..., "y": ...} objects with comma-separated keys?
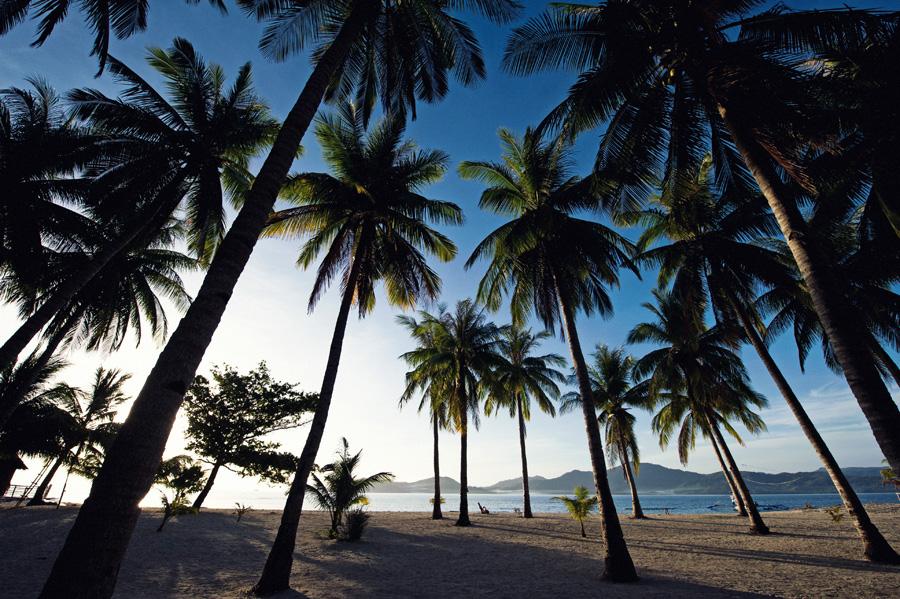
[{"x": 506, "y": 502}]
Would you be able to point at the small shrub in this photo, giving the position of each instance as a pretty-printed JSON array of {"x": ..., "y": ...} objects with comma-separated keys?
[
  {"x": 355, "y": 523},
  {"x": 239, "y": 511},
  {"x": 835, "y": 512},
  {"x": 431, "y": 500}
]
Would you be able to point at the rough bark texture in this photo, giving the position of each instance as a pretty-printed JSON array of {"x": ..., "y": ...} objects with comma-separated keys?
[
  {"x": 436, "y": 508},
  {"x": 88, "y": 564},
  {"x": 463, "y": 519},
  {"x": 526, "y": 511},
  {"x": 875, "y": 547},
  {"x": 44, "y": 486},
  {"x": 826, "y": 293},
  {"x": 276, "y": 574},
  {"x": 636, "y": 512},
  {"x": 742, "y": 510},
  {"x": 757, "y": 526},
  {"x": 618, "y": 566},
  {"x": 210, "y": 480}
]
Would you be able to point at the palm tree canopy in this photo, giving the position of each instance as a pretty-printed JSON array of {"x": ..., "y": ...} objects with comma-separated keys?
[
  {"x": 339, "y": 488},
  {"x": 544, "y": 250},
  {"x": 369, "y": 212},
  {"x": 580, "y": 506},
  {"x": 405, "y": 53}
]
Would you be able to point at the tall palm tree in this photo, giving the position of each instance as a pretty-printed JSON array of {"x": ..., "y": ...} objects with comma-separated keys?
[
  {"x": 716, "y": 245},
  {"x": 429, "y": 385},
  {"x": 456, "y": 365},
  {"x": 614, "y": 395},
  {"x": 371, "y": 224},
  {"x": 701, "y": 381},
  {"x": 674, "y": 79},
  {"x": 346, "y": 33},
  {"x": 193, "y": 148},
  {"x": 93, "y": 411},
  {"x": 553, "y": 264},
  {"x": 521, "y": 377}
]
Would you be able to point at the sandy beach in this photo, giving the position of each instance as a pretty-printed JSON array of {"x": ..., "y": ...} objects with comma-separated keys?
[{"x": 409, "y": 555}]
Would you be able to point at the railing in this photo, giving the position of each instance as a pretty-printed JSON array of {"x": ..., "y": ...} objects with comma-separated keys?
[{"x": 19, "y": 491}]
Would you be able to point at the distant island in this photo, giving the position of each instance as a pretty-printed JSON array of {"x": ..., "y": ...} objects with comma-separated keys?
[{"x": 655, "y": 479}]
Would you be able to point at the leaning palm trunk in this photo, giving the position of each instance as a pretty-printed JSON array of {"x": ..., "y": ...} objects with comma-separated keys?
[
  {"x": 207, "y": 487},
  {"x": 875, "y": 547},
  {"x": 636, "y": 511},
  {"x": 526, "y": 511},
  {"x": 738, "y": 500},
  {"x": 463, "y": 519},
  {"x": 276, "y": 573},
  {"x": 44, "y": 486},
  {"x": 618, "y": 565},
  {"x": 846, "y": 340},
  {"x": 436, "y": 509},
  {"x": 757, "y": 526},
  {"x": 89, "y": 562}
]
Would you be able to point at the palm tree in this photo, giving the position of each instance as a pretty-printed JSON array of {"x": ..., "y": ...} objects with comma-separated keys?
[
  {"x": 345, "y": 32},
  {"x": 456, "y": 365},
  {"x": 580, "y": 506},
  {"x": 93, "y": 411},
  {"x": 370, "y": 222},
  {"x": 339, "y": 489},
  {"x": 523, "y": 376},
  {"x": 432, "y": 394},
  {"x": 614, "y": 394},
  {"x": 674, "y": 79},
  {"x": 553, "y": 264},
  {"x": 195, "y": 147},
  {"x": 716, "y": 245},
  {"x": 702, "y": 384}
]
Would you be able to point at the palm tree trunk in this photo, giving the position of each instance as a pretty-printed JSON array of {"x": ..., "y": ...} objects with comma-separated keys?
[
  {"x": 847, "y": 341},
  {"x": 463, "y": 519},
  {"x": 44, "y": 486},
  {"x": 636, "y": 512},
  {"x": 618, "y": 565},
  {"x": 201, "y": 497},
  {"x": 875, "y": 547},
  {"x": 886, "y": 360},
  {"x": 742, "y": 509},
  {"x": 88, "y": 564},
  {"x": 436, "y": 509},
  {"x": 276, "y": 574},
  {"x": 526, "y": 512},
  {"x": 583, "y": 534},
  {"x": 757, "y": 526}
]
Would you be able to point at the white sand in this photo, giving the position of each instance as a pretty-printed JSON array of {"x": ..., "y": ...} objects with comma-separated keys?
[{"x": 409, "y": 555}]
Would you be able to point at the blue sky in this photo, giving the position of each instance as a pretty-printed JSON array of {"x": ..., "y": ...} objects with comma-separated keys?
[{"x": 267, "y": 318}]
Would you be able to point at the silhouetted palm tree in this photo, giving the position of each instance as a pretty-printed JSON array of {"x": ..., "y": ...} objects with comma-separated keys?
[
  {"x": 553, "y": 264},
  {"x": 702, "y": 384},
  {"x": 521, "y": 377},
  {"x": 372, "y": 225},
  {"x": 614, "y": 394},
  {"x": 675, "y": 79}
]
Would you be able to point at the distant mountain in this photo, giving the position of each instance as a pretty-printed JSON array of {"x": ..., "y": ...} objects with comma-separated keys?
[{"x": 660, "y": 480}]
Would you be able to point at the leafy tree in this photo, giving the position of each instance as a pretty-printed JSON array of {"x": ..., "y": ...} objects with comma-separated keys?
[
  {"x": 229, "y": 416},
  {"x": 554, "y": 264},
  {"x": 580, "y": 506},
  {"x": 338, "y": 489},
  {"x": 676, "y": 79},
  {"x": 182, "y": 476},
  {"x": 520, "y": 377}
]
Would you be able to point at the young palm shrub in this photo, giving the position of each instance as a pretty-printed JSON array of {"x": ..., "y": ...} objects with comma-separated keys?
[
  {"x": 521, "y": 377},
  {"x": 580, "y": 506},
  {"x": 338, "y": 490},
  {"x": 183, "y": 477},
  {"x": 701, "y": 383},
  {"x": 555, "y": 265},
  {"x": 675, "y": 79},
  {"x": 614, "y": 395},
  {"x": 456, "y": 363},
  {"x": 346, "y": 34},
  {"x": 372, "y": 225}
]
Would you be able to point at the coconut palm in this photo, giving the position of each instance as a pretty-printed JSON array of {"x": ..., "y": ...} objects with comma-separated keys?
[
  {"x": 343, "y": 31},
  {"x": 701, "y": 382},
  {"x": 456, "y": 365},
  {"x": 432, "y": 395},
  {"x": 715, "y": 245},
  {"x": 580, "y": 506},
  {"x": 93, "y": 411},
  {"x": 675, "y": 79},
  {"x": 521, "y": 377},
  {"x": 192, "y": 148},
  {"x": 614, "y": 395},
  {"x": 553, "y": 264},
  {"x": 371, "y": 224}
]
